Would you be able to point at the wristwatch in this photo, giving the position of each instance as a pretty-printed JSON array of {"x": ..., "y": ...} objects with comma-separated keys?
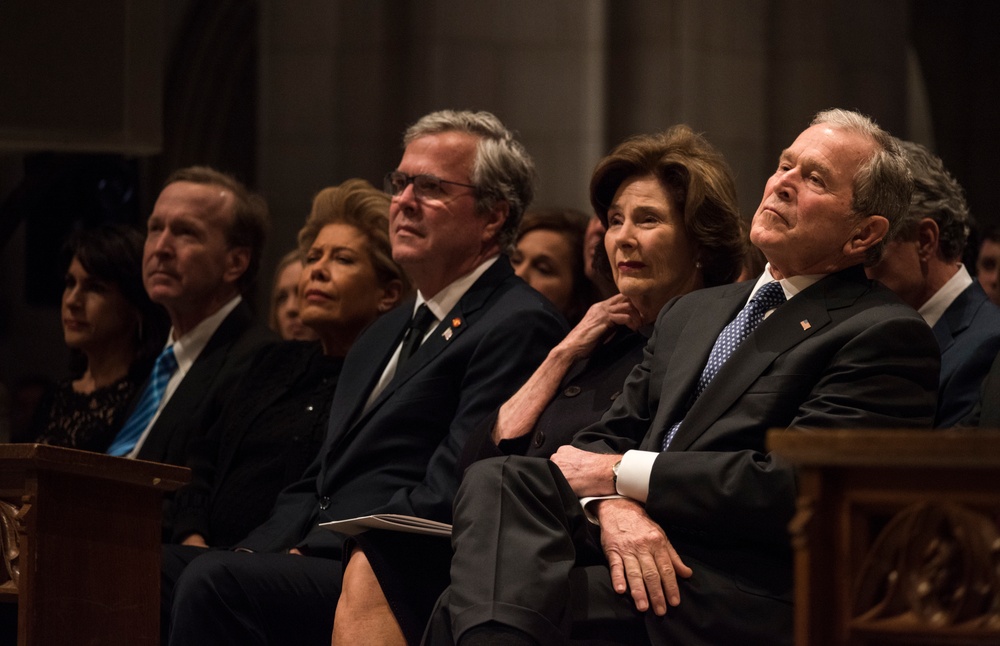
[{"x": 614, "y": 474}]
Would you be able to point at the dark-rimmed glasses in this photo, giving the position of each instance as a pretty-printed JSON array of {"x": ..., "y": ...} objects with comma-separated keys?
[{"x": 425, "y": 187}]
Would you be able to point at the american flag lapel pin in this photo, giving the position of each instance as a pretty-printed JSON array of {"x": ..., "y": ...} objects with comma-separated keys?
[
  {"x": 447, "y": 334},
  {"x": 805, "y": 324}
]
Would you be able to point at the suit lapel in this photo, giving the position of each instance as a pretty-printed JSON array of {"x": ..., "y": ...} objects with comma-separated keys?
[
  {"x": 355, "y": 391},
  {"x": 789, "y": 325},
  {"x": 461, "y": 316},
  {"x": 958, "y": 316},
  {"x": 191, "y": 391}
]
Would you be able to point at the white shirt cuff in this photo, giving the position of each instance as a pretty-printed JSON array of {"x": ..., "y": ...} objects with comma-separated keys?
[{"x": 634, "y": 473}]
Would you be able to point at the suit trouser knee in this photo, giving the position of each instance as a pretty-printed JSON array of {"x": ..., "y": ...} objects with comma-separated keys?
[{"x": 516, "y": 520}]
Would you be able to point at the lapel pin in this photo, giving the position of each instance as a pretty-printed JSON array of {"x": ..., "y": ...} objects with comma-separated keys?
[
  {"x": 447, "y": 334},
  {"x": 805, "y": 324},
  {"x": 455, "y": 322}
]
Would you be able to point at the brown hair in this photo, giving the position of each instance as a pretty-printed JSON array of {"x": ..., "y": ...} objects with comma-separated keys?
[
  {"x": 697, "y": 178},
  {"x": 572, "y": 225}
]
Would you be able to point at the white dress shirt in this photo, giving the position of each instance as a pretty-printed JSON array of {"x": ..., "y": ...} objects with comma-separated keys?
[{"x": 186, "y": 351}]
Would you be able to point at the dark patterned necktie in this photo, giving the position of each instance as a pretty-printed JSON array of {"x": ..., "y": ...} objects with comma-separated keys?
[
  {"x": 415, "y": 332},
  {"x": 767, "y": 297},
  {"x": 148, "y": 404}
]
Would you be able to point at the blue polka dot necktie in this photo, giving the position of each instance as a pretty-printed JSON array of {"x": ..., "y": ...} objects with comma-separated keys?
[
  {"x": 147, "y": 406},
  {"x": 767, "y": 297}
]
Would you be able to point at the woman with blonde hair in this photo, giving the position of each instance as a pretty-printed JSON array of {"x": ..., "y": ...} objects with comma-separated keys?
[{"x": 276, "y": 420}]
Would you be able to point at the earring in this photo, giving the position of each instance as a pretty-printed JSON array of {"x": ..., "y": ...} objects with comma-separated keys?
[{"x": 697, "y": 264}]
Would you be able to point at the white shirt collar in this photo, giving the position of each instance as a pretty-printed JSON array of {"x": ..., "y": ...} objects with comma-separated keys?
[
  {"x": 188, "y": 347},
  {"x": 935, "y": 307},
  {"x": 791, "y": 286},
  {"x": 446, "y": 299}
]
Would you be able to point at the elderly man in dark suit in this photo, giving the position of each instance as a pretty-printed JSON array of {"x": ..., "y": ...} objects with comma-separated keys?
[
  {"x": 203, "y": 246},
  {"x": 412, "y": 388},
  {"x": 923, "y": 265},
  {"x": 691, "y": 508}
]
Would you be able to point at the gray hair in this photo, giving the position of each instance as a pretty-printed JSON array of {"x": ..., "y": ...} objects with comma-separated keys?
[
  {"x": 882, "y": 185},
  {"x": 938, "y": 196},
  {"x": 501, "y": 171}
]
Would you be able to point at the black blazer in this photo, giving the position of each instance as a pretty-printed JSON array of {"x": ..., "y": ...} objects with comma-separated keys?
[
  {"x": 200, "y": 397},
  {"x": 269, "y": 432},
  {"x": 399, "y": 455},
  {"x": 843, "y": 353}
]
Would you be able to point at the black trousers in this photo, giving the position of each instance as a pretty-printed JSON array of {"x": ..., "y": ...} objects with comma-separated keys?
[
  {"x": 223, "y": 597},
  {"x": 526, "y": 556}
]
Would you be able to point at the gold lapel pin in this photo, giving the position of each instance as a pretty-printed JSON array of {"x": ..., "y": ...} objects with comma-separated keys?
[{"x": 805, "y": 324}]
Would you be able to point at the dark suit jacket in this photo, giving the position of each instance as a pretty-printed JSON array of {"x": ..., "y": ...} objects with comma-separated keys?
[
  {"x": 844, "y": 353},
  {"x": 969, "y": 336},
  {"x": 199, "y": 398},
  {"x": 399, "y": 455},
  {"x": 266, "y": 436}
]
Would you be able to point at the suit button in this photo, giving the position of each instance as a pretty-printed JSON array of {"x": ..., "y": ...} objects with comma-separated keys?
[
  {"x": 309, "y": 408},
  {"x": 539, "y": 439},
  {"x": 572, "y": 391},
  {"x": 324, "y": 502}
]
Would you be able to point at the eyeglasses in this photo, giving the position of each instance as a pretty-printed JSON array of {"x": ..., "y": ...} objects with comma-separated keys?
[{"x": 425, "y": 187}]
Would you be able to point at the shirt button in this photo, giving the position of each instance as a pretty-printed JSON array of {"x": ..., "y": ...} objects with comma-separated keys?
[
  {"x": 539, "y": 439},
  {"x": 572, "y": 391},
  {"x": 324, "y": 502}
]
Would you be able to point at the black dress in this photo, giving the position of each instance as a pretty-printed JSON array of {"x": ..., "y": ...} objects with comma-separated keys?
[
  {"x": 265, "y": 437},
  {"x": 412, "y": 585},
  {"x": 88, "y": 421}
]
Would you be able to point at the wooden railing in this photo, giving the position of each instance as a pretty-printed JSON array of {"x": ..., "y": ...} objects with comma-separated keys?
[
  {"x": 895, "y": 537},
  {"x": 81, "y": 544}
]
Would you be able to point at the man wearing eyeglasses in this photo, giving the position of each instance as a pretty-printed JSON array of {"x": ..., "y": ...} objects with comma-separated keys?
[{"x": 413, "y": 387}]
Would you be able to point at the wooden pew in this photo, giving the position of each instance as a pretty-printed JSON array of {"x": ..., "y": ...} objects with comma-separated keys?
[
  {"x": 81, "y": 544},
  {"x": 895, "y": 536}
]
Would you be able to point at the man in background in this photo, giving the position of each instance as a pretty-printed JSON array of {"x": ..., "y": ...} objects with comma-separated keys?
[
  {"x": 923, "y": 265},
  {"x": 203, "y": 245}
]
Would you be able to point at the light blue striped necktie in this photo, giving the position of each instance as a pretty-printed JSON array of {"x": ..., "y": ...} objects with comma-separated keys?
[
  {"x": 767, "y": 297},
  {"x": 148, "y": 404}
]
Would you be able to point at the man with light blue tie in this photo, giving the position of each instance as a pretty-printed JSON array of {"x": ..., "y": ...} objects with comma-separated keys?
[
  {"x": 203, "y": 245},
  {"x": 682, "y": 535}
]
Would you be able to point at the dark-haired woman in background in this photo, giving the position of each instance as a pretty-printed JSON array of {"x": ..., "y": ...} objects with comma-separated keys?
[
  {"x": 549, "y": 256},
  {"x": 114, "y": 331}
]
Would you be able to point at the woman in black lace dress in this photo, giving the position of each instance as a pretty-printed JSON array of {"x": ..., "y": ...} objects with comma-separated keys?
[{"x": 114, "y": 331}]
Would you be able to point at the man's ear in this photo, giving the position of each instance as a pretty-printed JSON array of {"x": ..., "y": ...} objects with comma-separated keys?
[
  {"x": 237, "y": 261},
  {"x": 495, "y": 220},
  {"x": 928, "y": 236},
  {"x": 868, "y": 233},
  {"x": 391, "y": 295}
]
